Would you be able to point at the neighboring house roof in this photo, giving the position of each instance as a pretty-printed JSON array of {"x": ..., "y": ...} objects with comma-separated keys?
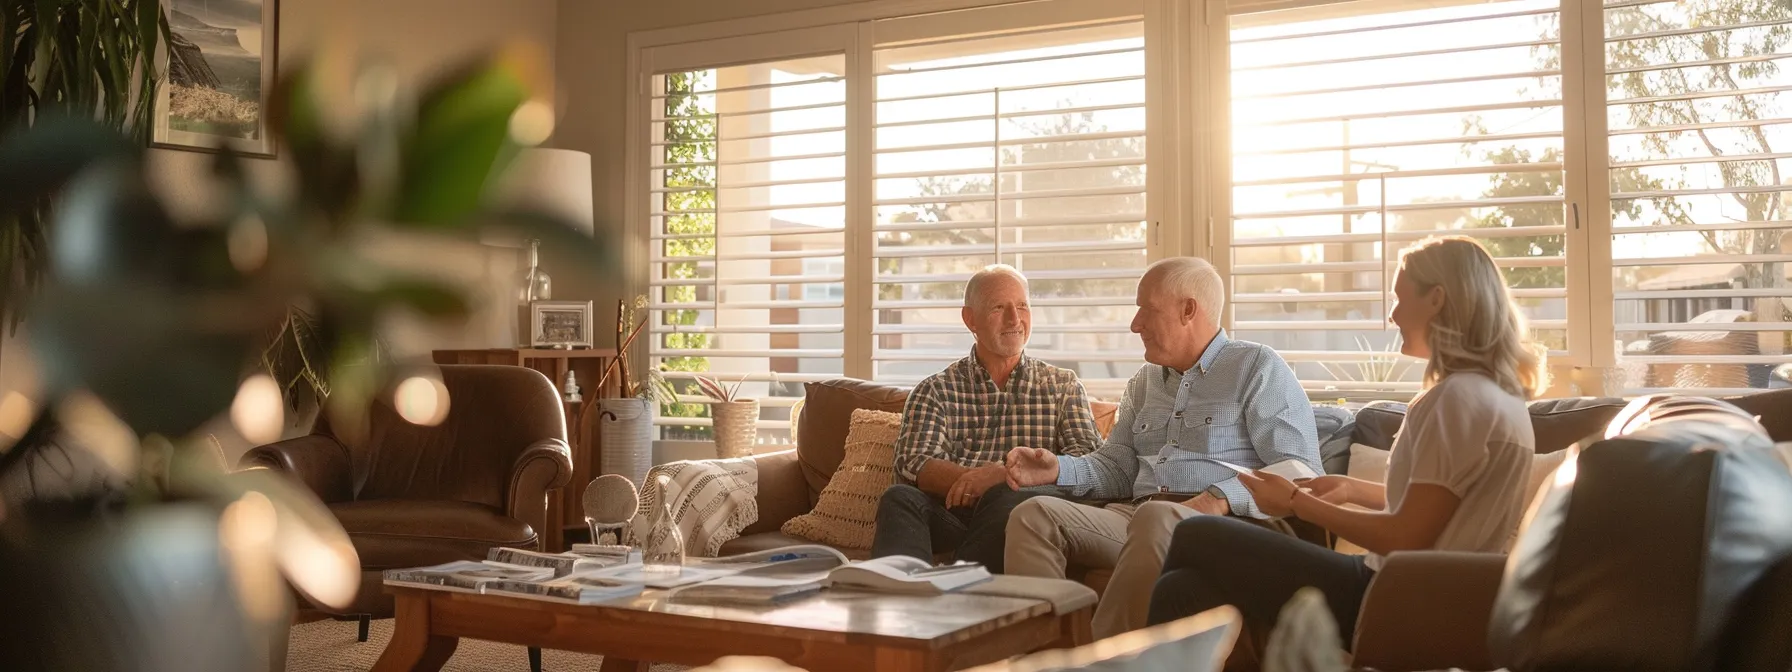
[{"x": 1689, "y": 276}]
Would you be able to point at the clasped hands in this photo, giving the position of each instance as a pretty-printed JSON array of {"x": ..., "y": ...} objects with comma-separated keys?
[{"x": 1038, "y": 466}]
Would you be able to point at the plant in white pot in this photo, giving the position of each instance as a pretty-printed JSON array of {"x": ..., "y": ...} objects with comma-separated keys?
[
  {"x": 625, "y": 422},
  {"x": 735, "y": 420}
]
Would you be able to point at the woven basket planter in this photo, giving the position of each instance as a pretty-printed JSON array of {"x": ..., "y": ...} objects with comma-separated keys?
[{"x": 736, "y": 427}]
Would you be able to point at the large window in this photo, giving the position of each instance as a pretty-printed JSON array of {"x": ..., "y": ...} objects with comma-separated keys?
[
  {"x": 1362, "y": 128},
  {"x": 748, "y": 220},
  {"x": 818, "y": 195},
  {"x": 1699, "y": 132},
  {"x": 1027, "y": 149}
]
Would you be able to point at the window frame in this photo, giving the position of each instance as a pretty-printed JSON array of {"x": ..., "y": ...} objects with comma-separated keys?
[{"x": 1189, "y": 163}]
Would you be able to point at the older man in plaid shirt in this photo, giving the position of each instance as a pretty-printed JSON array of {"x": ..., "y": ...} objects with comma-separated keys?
[{"x": 958, "y": 424}]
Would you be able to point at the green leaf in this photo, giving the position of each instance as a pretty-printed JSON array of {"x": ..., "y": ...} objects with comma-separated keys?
[
  {"x": 461, "y": 139},
  {"x": 150, "y": 24},
  {"x": 329, "y": 175}
]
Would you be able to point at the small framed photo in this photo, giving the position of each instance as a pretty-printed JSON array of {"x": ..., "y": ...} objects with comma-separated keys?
[{"x": 560, "y": 324}]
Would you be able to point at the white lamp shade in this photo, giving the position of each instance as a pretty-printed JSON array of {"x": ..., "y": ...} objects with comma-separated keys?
[{"x": 551, "y": 181}]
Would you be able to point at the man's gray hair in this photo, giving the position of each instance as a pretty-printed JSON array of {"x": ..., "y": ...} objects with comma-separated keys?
[
  {"x": 973, "y": 290},
  {"x": 1191, "y": 278}
]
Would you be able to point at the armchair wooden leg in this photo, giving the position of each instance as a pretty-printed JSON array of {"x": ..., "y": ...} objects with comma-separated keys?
[
  {"x": 366, "y": 620},
  {"x": 534, "y": 659}
]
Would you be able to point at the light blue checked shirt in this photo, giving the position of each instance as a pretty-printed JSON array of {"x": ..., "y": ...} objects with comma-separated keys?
[{"x": 1239, "y": 404}]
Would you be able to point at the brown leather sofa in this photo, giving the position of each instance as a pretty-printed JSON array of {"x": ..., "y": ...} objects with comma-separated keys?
[{"x": 410, "y": 495}]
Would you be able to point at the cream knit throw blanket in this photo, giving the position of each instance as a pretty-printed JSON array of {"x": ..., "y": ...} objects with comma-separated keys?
[{"x": 712, "y": 501}]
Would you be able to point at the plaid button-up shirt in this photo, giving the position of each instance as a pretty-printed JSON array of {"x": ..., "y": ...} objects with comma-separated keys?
[{"x": 959, "y": 415}]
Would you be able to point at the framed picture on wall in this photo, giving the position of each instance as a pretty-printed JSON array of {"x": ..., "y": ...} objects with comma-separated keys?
[
  {"x": 218, "y": 68},
  {"x": 560, "y": 324}
]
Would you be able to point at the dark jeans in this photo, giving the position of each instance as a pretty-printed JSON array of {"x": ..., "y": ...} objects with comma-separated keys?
[
  {"x": 913, "y": 523},
  {"x": 1214, "y": 561}
]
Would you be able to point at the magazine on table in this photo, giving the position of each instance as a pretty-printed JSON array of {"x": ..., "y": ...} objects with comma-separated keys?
[
  {"x": 574, "y": 589},
  {"x": 776, "y": 555},
  {"x": 903, "y": 574},
  {"x": 464, "y": 575},
  {"x": 765, "y": 577},
  {"x": 563, "y": 564}
]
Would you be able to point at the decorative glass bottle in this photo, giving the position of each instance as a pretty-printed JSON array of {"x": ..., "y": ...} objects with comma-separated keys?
[
  {"x": 536, "y": 286},
  {"x": 663, "y": 554}
]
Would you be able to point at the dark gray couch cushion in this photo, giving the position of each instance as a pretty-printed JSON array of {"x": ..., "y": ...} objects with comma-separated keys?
[{"x": 1557, "y": 423}]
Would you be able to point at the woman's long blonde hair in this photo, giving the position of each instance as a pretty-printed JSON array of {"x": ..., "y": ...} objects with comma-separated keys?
[{"x": 1479, "y": 328}]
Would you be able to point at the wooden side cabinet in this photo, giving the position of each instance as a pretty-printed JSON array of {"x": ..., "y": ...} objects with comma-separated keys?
[{"x": 581, "y": 419}]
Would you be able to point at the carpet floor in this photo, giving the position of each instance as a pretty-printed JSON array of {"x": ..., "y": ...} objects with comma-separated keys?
[{"x": 330, "y": 646}]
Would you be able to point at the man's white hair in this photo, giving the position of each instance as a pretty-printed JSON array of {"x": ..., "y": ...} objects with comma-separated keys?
[
  {"x": 973, "y": 290},
  {"x": 1191, "y": 278}
]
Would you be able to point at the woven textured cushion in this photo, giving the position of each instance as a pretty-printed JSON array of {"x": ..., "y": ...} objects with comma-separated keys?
[
  {"x": 826, "y": 417},
  {"x": 846, "y": 514}
]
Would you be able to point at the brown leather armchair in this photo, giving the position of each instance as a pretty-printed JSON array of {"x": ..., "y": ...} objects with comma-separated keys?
[{"x": 410, "y": 495}]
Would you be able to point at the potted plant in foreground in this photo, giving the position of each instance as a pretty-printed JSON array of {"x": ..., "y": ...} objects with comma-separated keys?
[{"x": 146, "y": 328}]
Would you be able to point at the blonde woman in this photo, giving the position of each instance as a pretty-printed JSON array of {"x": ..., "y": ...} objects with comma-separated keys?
[{"x": 1455, "y": 474}]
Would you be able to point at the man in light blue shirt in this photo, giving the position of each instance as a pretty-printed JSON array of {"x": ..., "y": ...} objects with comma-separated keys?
[{"x": 1201, "y": 399}]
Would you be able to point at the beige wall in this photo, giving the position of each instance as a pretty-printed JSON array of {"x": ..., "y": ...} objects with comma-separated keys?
[
  {"x": 419, "y": 37},
  {"x": 593, "y": 62}
]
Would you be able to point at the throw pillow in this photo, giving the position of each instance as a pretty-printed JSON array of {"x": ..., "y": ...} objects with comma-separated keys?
[{"x": 846, "y": 513}]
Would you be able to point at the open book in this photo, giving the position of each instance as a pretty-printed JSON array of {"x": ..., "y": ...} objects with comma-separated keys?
[{"x": 903, "y": 574}]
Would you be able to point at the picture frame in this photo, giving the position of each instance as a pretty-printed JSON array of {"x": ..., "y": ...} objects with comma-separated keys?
[
  {"x": 560, "y": 324},
  {"x": 218, "y": 69}
]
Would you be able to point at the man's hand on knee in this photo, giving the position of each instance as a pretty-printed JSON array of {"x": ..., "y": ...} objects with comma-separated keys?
[
  {"x": 973, "y": 483},
  {"x": 1209, "y": 504}
]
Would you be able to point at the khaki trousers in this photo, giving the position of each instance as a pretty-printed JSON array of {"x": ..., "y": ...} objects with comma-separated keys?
[{"x": 1048, "y": 534}]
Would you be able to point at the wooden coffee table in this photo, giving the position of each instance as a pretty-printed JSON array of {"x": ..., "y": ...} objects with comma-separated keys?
[{"x": 831, "y": 631}]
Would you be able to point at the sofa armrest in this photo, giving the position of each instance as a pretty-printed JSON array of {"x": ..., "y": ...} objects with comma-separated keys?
[
  {"x": 1428, "y": 610},
  {"x": 783, "y": 493},
  {"x": 543, "y": 466},
  {"x": 320, "y": 462}
]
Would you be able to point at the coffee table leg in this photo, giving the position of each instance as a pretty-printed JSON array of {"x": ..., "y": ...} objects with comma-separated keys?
[
  {"x": 1079, "y": 627},
  {"x": 615, "y": 664},
  {"x": 412, "y": 646}
]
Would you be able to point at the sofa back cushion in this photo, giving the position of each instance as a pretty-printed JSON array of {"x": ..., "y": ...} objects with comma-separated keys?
[
  {"x": 1773, "y": 410},
  {"x": 826, "y": 418},
  {"x": 1557, "y": 423}
]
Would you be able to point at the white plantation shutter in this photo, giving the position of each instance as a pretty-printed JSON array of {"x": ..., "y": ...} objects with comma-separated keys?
[
  {"x": 1700, "y": 128},
  {"x": 1359, "y": 130},
  {"x": 748, "y": 219},
  {"x": 1025, "y": 147}
]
